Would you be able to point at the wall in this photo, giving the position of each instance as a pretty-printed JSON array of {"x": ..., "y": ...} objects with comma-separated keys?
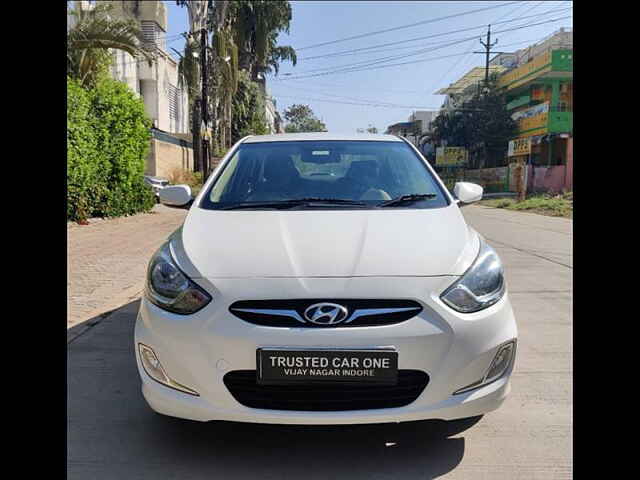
[
  {"x": 164, "y": 157},
  {"x": 547, "y": 179},
  {"x": 569, "y": 181},
  {"x": 491, "y": 179}
]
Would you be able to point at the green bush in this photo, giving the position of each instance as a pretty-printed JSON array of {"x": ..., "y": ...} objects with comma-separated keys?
[{"x": 108, "y": 136}]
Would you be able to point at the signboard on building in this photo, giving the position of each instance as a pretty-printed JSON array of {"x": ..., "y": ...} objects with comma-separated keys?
[
  {"x": 519, "y": 146},
  {"x": 531, "y": 112},
  {"x": 451, "y": 156}
]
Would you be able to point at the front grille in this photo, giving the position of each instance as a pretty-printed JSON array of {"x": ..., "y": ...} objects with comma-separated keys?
[
  {"x": 290, "y": 313},
  {"x": 325, "y": 397}
]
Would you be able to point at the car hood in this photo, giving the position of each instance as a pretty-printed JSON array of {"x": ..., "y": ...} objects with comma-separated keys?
[{"x": 324, "y": 243}]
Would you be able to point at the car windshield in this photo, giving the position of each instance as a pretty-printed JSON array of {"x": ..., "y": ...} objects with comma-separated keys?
[{"x": 324, "y": 174}]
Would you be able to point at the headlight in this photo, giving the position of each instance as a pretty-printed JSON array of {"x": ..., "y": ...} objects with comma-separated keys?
[
  {"x": 169, "y": 288},
  {"x": 480, "y": 287}
]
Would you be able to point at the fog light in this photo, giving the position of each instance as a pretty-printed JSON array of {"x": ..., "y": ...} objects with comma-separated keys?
[
  {"x": 499, "y": 365},
  {"x": 501, "y": 362},
  {"x": 154, "y": 369}
]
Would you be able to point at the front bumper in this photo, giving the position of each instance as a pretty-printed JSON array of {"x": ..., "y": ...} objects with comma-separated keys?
[{"x": 454, "y": 349}]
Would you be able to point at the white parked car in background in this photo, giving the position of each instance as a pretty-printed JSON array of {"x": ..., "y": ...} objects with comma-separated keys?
[
  {"x": 156, "y": 184},
  {"x": 325, "y": 279}
]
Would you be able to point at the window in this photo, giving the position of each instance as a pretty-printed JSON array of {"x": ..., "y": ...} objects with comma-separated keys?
[
  {"x": 124, "y": 63},
  {"x": 175, "y": 103},
  {"x": 365, "y": 171},
  {"x": 153, "y": 36}
]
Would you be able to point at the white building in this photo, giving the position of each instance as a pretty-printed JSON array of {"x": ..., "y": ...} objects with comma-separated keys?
[
  {"x": 165, "y": 103},
  {"x": 426, "y": 117}
]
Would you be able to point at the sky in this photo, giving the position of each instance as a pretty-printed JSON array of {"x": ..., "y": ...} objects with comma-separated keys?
[{"x": 348, "y": 100}]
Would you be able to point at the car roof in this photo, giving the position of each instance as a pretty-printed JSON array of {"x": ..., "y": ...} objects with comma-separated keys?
[{"x": 321, "y": 136}]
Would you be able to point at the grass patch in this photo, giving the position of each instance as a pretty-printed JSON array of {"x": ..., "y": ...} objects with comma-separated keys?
[{"x": 552, "y": 205}]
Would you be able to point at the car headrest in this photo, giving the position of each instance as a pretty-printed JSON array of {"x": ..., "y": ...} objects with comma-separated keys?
[
  {"x": 363, "y": 168},
  {"x": 280, "y": 168}
]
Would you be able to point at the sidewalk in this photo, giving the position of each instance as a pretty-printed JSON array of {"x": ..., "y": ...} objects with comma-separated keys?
[{"x": 107, "y": 260}]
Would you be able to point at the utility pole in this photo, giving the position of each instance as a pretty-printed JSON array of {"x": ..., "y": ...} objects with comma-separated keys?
[
  {"x": 204, "y": 109},
  {"x": 487, "y": 50}
]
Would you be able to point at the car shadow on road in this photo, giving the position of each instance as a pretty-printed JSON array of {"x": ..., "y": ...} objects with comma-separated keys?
[
  {"x": 112, "y": 432},
  {"x": 408, "y": 450}
]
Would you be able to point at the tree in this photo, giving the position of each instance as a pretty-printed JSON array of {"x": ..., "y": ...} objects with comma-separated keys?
[
  {"x": 372, "y": 129},
  {"x": 483, "y": 124},
  {"x": 300, "y": 118},
  {"x": 90, "y": 40},
  {"x": 248, "y": 114},
  {"x": 244, "y": 38},
  {"x": 257, "y": 24},
  {"x": 189, "y": 70}
]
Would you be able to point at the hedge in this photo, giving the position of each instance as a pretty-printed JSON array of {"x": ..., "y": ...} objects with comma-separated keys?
[{"x": 108, "y": 137}]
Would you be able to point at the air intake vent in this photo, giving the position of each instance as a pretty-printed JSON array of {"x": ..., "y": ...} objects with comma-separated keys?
[{"x": 325, "y": 397}]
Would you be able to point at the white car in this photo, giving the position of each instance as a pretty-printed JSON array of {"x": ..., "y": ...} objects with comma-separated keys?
[
  {"x": 355, "y": 296},
  {"x": 156, "y": 184}
]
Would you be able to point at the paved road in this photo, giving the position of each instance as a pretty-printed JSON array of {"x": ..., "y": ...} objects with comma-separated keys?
[
  {"x": 108, "y": 258},
  {"x": 112, "y": 433}
]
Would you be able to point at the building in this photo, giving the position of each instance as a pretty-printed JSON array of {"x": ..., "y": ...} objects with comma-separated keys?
[
  {"x": 539, "y": 93},
  {"x": 274, "y": 120},
  {"x": 166, "y": 104},
  {"x": 561, "y": 39},
  {"x": 416, "y": 129},
  {"x": 463, "y": 89}
]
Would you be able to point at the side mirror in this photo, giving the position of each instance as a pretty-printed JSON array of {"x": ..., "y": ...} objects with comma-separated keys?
[
  {"x": 176, "y": 195},
  {"x": 467, "y": 193}
]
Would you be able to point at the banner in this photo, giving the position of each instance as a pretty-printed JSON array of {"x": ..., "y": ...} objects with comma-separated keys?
[
  {"x": 451, "y": 156},
  {"x": 519, "y": 146},
  {"x": 531, "y": 112}
]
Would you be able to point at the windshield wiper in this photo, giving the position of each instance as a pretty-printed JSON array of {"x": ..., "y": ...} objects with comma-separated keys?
[
  {"x": 283, "y": 204},
  {"x": 404, "y": 199}
]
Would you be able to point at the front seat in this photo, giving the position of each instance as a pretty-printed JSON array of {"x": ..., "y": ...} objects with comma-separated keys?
[
  {"x": 361, "y": 181},
  {"x": 281, "y": 179}
]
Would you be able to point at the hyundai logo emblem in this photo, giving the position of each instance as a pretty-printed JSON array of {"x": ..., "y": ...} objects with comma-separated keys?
[{"x": 326, "y": 313}]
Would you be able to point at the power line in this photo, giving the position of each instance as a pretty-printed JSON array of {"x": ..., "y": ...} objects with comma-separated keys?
[
  {"x": 358, "y": 68},
  {"x": 378, "y": 32},
  {"x": 470, "y": 52},
  {"x": 381, "y": 105},
  {"x": 432, "y": 36},
  {"x": 374, "y": 61},
  {"x": 342, "y": 96},
  {"x": 288, "y": 86},
  {"x": 450, "y": 69},
  {"x": 333, "y": 85}
]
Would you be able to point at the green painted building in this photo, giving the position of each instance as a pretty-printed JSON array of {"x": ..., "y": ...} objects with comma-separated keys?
[{"x": 540, "y": 98}]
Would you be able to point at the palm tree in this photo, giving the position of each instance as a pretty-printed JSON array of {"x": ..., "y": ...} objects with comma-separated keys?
[
  {"x": 92, "y": 37},
  {"x": 224, "y": 73},
  {"x": 256, "y": 27}
]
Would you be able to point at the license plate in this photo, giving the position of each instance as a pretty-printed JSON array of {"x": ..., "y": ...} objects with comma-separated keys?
[{"x": 282, "y": 366}]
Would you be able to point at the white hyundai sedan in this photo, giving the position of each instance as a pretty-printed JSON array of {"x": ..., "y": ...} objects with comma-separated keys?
[{"x": 325, "y": 279}]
